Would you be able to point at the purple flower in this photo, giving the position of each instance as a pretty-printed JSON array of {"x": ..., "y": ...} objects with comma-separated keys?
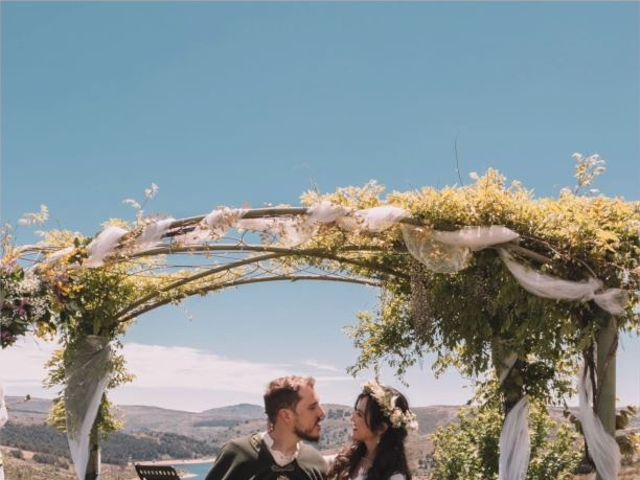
[
  {"x": 6, "y": 337},
  {"x": 21, "y": 309},
  {"x": 10, "y": 267}
]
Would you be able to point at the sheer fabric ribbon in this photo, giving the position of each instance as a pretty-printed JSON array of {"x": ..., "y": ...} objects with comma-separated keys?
[
  {"x": 603, "y": 448},
  {"x": 87, "y": 378},
  {"x": 515, "y": 445}
]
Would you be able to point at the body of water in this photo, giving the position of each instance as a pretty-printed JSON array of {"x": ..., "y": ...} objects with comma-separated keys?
[{"x": 200, "y": 470}]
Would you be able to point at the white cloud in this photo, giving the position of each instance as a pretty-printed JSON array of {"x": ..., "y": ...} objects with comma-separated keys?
[
  {"x": 23, "y": 363},
  {"x": 158, "y": 366},
  {"x": 321, "y": 366},
  {"x": 167, "y": 376}
]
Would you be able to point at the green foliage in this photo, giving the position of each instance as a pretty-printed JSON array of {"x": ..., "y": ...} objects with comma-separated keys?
[
  {"x": 480, "y": 315},
  {"x": 469, "y": 448},
  {"x": 387, "y": 337},
  {"x": 17, "y": 454},
  {"x": 628, "y": 441},
  {"x": 96, "y": 296},
  {"x": 108, "y": 421},
  {"x": 475, "y": 318}
]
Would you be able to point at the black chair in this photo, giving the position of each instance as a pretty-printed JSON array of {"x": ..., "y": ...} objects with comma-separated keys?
[{"x": 156, "y": 472}]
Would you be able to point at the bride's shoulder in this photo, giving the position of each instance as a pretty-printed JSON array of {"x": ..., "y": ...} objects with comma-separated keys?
[
  {"x": 397, "y": 476},
  {"x": 330, "y": 458}
]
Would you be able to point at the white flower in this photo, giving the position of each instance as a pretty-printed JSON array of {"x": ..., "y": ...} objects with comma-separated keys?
[
  {"x": 35, "y": 218},
  {"x": 132, "y": 203},
  {"x": 387, "y": 402},
  {"x": 30, "y": 284},
  {"x": 151, "y": 192}
]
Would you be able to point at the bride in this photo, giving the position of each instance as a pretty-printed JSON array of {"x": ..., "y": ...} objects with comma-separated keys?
[{"x": 381, "y": 420}]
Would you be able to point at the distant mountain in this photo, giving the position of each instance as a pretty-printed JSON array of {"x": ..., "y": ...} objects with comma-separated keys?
[
  {"x": 242, "y": 410},
  {"x": 32, "y": 411}
]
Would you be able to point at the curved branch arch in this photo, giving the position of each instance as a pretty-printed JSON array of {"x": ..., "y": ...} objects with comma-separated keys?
[
  {"x": 237, "y": 283},
  {"x": 273, "y": 253}
]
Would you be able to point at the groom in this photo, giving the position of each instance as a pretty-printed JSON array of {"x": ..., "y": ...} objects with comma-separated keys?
[{"x": 294, "y": 413}]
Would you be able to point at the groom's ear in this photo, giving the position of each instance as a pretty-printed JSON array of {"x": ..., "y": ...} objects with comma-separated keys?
[{"x": 285, "y": 415}]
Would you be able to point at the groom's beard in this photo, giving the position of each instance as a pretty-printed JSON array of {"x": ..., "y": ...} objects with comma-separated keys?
[{"x": 310, "y": 435}]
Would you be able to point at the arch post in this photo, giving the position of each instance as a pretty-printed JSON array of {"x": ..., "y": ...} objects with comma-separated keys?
[
  {"x": 93, "y": 464},
  {"x": 606, "y": 350}
]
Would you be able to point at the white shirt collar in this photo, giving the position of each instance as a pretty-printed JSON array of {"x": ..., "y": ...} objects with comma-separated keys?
[{"x": 280, "y": 458}]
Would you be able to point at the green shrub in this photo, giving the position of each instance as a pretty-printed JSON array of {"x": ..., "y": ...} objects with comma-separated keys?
[
  {"x": 45, "y": 458},
  {"x": 17, "y": 454},
  {"x": 469, "y": 448}
]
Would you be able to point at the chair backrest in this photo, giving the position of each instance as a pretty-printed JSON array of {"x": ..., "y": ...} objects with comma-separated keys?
[{"x": 156, "y": 472}]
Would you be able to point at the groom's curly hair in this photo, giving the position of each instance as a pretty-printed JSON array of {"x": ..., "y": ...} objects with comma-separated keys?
[
  {"x": 390, "y": 455},
  {"x": 283, "y": 393}
]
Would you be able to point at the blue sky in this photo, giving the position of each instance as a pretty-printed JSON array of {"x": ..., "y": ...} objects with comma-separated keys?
[{"x": 254, "y": 103}]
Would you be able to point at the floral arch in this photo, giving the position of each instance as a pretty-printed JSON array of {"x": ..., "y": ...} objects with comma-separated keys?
[{"x": 540, "y": 286}]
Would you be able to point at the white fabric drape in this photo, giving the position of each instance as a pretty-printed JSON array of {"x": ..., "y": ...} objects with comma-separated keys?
[
  {"x": 4, "y": 415},
  {"x": 87, "y": 378},
  {"x": 450, "y": 252},
  {"x": 221, "y": 220},
  {"x": 55, "y": 256},
  {"x": 326, "y": 212},
  {"x": 546, "y": 286},
  {"x": 375, "y": 219},
  {"x": 476, "y": 238},
  {"x": 103, "y": 245},
  {"x": 152, "y": 234},
  {"x": 515, "y": 445},
  {"x": 507, "y": 365},
  {"x": 613, "y": 300},
  {"x": 436, "y": 256},
  {"x": 603, "y": 448},
  {"x": 295, "y": 231},
  {"x": 212, "y": 227}
]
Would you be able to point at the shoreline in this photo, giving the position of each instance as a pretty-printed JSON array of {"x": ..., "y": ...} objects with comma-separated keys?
[{"x": 183, "y": 461}]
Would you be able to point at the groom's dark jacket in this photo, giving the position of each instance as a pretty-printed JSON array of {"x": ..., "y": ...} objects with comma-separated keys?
[{"x": 248, "y": 458}]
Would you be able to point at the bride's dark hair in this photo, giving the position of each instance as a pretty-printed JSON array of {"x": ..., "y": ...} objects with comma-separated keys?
[{"x": 390, "y": 455}]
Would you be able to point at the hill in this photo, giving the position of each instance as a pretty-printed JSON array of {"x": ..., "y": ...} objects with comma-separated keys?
[{"x": 118, "y": 449}]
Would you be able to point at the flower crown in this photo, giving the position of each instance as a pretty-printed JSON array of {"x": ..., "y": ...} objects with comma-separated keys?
[{"x": 386, "y": 400}]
